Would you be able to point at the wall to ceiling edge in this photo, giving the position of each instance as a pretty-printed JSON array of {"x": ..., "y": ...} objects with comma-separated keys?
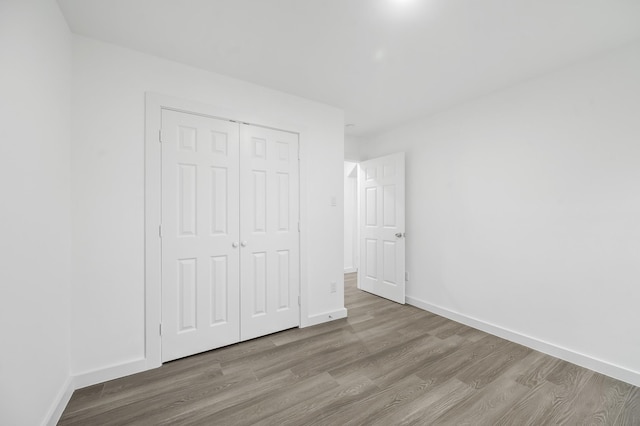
[
  {"x": 107, "y": 170},
  {"x": 523, "y": 208}
]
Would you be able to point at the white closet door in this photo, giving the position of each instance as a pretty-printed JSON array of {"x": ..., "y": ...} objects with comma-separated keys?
[
  {"x": 269, "y": 188},
  {"x": 200, "y": 231},
  {"x": 382, "y": 242}
]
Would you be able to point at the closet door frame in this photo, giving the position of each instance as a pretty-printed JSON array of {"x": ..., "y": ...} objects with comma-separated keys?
[{"x": 154, "y": 104}]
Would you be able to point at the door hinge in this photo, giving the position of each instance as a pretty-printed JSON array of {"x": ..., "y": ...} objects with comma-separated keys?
[
  {"x": 160, "y": 231},
  {"x": 298, "y": 226},
  {"x": 160, "y": 329},
  {"x": 298, "y": 300},
  {"x": 160, "y": 135}
]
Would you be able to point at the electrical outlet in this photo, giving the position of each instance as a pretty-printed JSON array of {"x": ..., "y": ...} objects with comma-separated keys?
[
  {"x": 334, "y": 287},
  {"x": 406, "y": 276}
]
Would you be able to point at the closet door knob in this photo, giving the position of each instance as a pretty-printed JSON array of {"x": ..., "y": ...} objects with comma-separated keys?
[
  {"x": 234, "y": 244},
  {"x": 243, "y": 244}
]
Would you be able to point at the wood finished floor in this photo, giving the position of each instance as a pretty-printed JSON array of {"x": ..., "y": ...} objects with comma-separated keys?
[{"x": 387, "y": 364}]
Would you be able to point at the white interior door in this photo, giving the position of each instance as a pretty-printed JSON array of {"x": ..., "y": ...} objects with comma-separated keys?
[
  {"x": 382, "y": 233},
  {"x": 200, "y": 234},
  {"x": 270, "y": 248}
]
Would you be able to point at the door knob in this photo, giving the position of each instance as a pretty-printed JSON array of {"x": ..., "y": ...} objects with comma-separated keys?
[
  {"x": 234, "y": 244},
  {"x": 399, "y": 235},
  {"x": 243, "y": 244}
]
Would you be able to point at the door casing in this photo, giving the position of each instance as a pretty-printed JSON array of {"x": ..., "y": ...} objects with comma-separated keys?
[{"x": 154, "y": 103}]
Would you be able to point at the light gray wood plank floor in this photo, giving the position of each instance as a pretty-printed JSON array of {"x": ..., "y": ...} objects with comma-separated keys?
[{"x": 387, "y": 364}]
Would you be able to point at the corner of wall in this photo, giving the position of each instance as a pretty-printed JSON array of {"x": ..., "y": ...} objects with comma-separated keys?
[{"x": 60, "y": 402}]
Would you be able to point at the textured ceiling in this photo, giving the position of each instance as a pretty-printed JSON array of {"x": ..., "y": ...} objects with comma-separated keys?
[{"x": 382, "y": 61}]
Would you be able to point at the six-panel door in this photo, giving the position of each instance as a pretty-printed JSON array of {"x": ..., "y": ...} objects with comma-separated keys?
[
  {"x": 382, "y": 221},
  {"x": 269, "y": 231},
  {"x": 230, "y": 243},
  {"x": 200, "y": 222}
]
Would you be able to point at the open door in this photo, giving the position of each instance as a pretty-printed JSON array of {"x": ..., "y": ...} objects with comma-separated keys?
[{"x": 382, "y": 234}]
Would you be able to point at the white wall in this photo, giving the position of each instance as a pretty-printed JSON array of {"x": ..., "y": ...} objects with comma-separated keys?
[
  {"x": 352, "y": 148},
  {"x": 523, "y": 211},
  {"x": 35, "y": 53},
  {"x": 350, "y": 216},
  {"x": 108, "y": 189}
]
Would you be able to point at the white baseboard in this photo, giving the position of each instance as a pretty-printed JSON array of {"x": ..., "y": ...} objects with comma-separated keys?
[
  {"x": 60, "y": 403},
  {"x": 89, "y": 378},
  {"x": 100, "y": 375},
  {"x": 324, "y": 317},
  {"x": 350, "y": 270},
  {"x": 586, "y": 361}
]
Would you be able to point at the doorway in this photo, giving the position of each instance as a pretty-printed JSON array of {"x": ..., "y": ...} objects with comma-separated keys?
[{"x": 377, "y": 189}]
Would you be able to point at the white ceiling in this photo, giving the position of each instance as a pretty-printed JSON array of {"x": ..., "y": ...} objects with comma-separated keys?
[{"x": 382, "y": 61}]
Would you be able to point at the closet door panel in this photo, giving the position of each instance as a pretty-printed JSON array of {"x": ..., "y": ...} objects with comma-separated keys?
[
  {"x": 200, "y": 224},
  {"x": 269, "y": 214}
]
